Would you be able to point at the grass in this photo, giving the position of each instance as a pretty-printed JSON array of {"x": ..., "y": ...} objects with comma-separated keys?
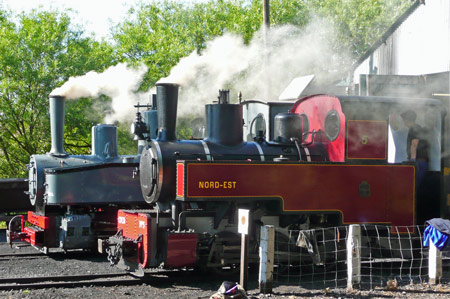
[{"x": 2, "y": 224}]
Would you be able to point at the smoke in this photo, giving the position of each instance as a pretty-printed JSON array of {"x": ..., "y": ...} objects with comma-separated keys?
[
  {"x": 260, "y": 70},
  {"x": 119, "y": 82}
]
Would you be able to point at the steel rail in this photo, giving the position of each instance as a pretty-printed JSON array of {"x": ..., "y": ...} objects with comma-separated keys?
[
  {"x": 17, "y": 256},
  {"x": 21, "y": 254},
  {"x": 106, "y": 279},
  {"x": 41, "y": 282},
  {"x": 70, "y": 281}
]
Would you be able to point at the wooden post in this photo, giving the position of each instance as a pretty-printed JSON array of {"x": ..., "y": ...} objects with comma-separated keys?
[
  {"x": 244, "y": 261},
  {"x": 434, "y": 264},
  {"x": 354, "y": 257},
  {"x": 266, "y": 259},
  {"x": 243, "y": 229}
]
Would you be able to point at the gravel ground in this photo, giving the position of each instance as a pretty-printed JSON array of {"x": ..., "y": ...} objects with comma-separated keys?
[{"x": 189, "y": 286}]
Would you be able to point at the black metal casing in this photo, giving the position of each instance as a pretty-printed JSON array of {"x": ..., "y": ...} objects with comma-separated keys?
[{"x": 224, "y": 141}]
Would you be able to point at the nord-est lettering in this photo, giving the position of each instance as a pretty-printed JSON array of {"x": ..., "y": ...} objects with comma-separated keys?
[{"x": 217, "y": 184}]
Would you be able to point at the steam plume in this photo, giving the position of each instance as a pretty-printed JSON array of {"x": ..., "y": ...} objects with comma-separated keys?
[
  {"x": 228, "y": 63},
  {"x": 119, "y": 82}
]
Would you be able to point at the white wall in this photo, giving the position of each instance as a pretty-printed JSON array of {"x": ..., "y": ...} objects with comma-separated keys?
[{"x": 421, "y": 45}]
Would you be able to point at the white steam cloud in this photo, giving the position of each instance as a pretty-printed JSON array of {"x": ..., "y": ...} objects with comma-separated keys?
[
  {"x": 260, "y": 70},
  {"x": 119, "y": 82},
  {"x": 227, "y": 63}
]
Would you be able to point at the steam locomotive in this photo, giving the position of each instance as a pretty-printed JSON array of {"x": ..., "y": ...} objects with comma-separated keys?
[
  {"x": 329, "y": 160},
  {"x": 75, "y": 198}
]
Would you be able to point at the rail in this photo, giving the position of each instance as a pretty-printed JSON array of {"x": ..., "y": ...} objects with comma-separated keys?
[
  {"x": 43, "y": 282},
  {"x": 22, "y": 255}
]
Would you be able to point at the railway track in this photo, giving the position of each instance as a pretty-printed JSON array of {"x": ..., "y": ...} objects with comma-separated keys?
[
  {"x": 40, "y": 254},
  {"x": 34, "y": 255},
  {"x": 106, "y": 279},
  {"x": 42, "y": 282},
  {"x": 22, "y": 255}
]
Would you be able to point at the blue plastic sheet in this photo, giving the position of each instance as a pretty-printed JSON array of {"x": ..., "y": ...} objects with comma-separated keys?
[{"x": 438, "y": 238}]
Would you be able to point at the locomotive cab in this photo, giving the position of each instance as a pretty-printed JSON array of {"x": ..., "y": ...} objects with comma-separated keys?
[{"x": 370, "y": 130}]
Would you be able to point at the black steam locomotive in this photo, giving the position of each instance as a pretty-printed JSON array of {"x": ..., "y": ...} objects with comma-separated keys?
[
  {"x": 224, "y": 141},
  {"x": 329, "y": 162},
  {"x": 75, "y": 198}
]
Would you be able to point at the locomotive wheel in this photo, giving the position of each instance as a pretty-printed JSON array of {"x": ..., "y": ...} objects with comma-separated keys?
[{"x": 224, "y": 254}]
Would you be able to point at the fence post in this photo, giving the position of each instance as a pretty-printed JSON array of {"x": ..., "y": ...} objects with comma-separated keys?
[
  {"x": 266, "y": 258},
  {"x": 434, "y": 264},
  {"x": 354, "y": 257}
]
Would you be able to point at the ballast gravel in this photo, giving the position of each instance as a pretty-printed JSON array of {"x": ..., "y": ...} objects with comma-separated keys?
[{"x": 187, "y": 286}]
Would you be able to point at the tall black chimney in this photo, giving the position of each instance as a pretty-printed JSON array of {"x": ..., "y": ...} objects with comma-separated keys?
[
  {"x": 57, "y": 112},
  {"x": 167, "y": 102}
]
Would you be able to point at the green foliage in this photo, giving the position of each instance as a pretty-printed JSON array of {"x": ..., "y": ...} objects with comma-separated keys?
[
  {"x": 184, "y": 130},
  {"x": 127, "y": 146},
  {"x": 38, "y": 54},
  {"x": 42, "y": 50},
  {"x": 359, "y": 23},
  {"x": 157, "y": 35},
  {"x": 163, "y": 32}
]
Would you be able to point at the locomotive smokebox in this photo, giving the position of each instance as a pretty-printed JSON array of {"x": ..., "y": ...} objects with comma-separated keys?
[
  {"x": 224, "y": 121},
  {"x": 57, "y": 114},
  {"x": 286, "y": 126},
  {"x": 167, "y": 102}
]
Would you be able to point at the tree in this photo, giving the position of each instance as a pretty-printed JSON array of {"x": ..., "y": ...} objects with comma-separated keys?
[
  {"x": 163, "y": 32},
  {"x": 42, "y": 50},
  {"x": 38, "y": 54},
  {"x": 359, "y": 23}
]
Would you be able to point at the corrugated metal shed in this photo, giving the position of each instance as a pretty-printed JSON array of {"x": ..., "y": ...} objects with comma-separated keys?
[{"x": 417, "y": 43}]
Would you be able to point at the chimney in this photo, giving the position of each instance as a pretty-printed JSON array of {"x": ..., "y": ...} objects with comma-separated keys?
[
  {"x": 167, "y": 102},
  {"x": 57, "y": 111}
]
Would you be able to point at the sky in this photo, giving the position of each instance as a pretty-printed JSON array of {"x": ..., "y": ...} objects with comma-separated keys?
[{"x": 93, "y": 15}]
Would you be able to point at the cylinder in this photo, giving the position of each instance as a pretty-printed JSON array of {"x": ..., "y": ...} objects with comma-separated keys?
[
  {"x": 57, "y": 114},
  {"x": 104, "y": 141},
  {"x": 287, "y": 126},
  {"x": 224, "y": 123},
  {"x": 167, "y": 102}
]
